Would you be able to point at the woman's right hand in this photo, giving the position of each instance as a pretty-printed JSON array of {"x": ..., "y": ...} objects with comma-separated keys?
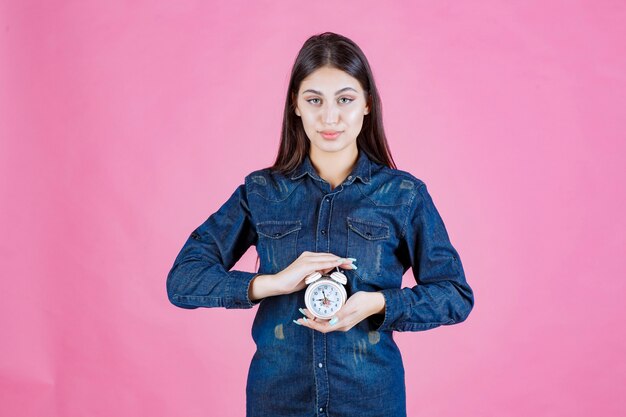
[{"x": 291, "y": 279}]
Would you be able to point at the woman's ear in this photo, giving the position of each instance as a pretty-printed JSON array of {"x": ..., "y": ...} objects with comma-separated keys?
[{"x": 368, "y": 104}]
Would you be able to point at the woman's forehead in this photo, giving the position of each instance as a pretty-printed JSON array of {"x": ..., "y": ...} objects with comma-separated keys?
[{"x": 330, "y": 81}]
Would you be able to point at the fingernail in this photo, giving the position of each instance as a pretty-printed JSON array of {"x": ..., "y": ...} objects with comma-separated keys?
[
  {"x": 353, "y": 266},
  {"x": 352, "y": 259},
  {"x": 298, "y": 323},
  {"x": 333, "y": 321},
  {"x": 302, "y": 311},
  {"x": 305, "y": 320}
]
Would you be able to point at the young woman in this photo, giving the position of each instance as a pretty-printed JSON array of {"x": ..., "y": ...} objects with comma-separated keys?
[{"x": 332, "y": 201}]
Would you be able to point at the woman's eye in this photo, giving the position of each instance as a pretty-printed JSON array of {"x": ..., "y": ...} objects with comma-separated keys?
[
  {"x": 346, "y": 98},
  {"x": 309, "y": 100}
]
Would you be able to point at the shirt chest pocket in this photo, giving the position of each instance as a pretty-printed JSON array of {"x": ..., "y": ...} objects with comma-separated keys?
[
  {"x": 366, "y": 243},
  {"x": 277, "y": 244}
]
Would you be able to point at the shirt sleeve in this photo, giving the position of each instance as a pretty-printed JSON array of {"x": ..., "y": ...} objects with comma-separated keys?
[
  {"x": 442, "y": 295},
  {"x": 201, "y": 275}
]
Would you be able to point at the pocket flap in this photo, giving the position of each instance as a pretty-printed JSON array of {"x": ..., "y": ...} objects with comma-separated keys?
[
  {"x": 277, "y": 229},
  {"x": 368, "y": 229}
]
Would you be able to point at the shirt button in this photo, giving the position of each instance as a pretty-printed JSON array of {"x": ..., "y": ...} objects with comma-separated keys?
[
  {"x": 327, "y": 198},
  {"x": 321, "y": 409},
  {"x": 320, "y": 364},
  {"x": 323, "y": 232},
  {"x": 350, "y": 177}
]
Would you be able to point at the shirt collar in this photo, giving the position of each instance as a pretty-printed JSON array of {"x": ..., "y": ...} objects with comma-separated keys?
[{"x": 361, "y": 170}]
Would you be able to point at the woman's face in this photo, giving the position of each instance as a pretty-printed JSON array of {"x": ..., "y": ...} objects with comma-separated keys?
[{"x": 330, "y": 100}]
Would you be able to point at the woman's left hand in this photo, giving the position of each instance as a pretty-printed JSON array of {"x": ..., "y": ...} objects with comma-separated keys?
[{"x": 359, "y": 306}]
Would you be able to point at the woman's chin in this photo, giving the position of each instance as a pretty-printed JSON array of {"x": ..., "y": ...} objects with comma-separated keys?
[{"x": 331, "y": 147}]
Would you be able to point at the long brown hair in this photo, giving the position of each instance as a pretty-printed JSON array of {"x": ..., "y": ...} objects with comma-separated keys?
[{"x": 337, "y": 51}]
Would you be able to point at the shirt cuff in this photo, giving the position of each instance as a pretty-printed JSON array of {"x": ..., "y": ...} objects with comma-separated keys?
[
  {"x": 238, "y": 287},
  {"x": 394, "y": 309}
]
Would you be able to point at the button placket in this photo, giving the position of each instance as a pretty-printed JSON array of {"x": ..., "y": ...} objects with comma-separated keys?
[
  {"x": 323, "y": 222},
  {"x": 322, "y": 244}
]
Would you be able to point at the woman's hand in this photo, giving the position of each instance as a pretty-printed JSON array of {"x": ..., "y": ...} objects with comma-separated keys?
[
  {"x": 291, "y": 279},
  {"x": 359, "y": 306}
]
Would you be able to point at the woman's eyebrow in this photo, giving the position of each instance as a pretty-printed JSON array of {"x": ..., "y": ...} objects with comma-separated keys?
[{"x": 337, "y": 93}]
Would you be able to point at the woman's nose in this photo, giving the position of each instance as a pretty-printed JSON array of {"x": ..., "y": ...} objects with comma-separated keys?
[{"x": 331, "y": 114}]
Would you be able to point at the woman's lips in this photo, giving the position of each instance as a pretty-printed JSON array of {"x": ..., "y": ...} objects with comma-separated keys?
[{"x": 330, "y": 135}]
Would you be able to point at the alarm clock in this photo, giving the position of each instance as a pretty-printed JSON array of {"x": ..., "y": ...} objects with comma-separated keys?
[{"x": 325, "y": 294}]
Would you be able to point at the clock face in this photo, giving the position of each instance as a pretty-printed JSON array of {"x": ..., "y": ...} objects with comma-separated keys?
[{"x": 325, "y": 298}]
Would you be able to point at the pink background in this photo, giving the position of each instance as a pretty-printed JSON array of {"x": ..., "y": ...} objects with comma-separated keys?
[{"x": 124, "y": 125}]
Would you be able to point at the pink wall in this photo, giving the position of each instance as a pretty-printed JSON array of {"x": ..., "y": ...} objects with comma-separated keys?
[{"x": 123, "y": 125}]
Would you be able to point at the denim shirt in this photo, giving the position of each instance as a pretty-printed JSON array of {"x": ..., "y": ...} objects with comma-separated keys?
[{"x": 383, "y": 217}]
